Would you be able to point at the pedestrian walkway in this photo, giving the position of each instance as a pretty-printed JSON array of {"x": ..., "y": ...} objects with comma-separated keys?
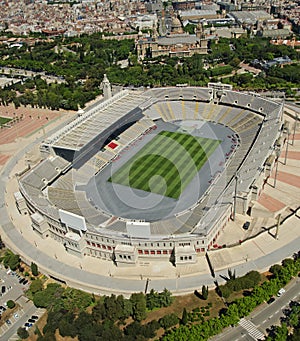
[{"x": 251, "y": 329}]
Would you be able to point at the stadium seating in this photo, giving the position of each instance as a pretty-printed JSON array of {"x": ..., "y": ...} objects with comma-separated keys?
[{"x": 51, "y": 185}]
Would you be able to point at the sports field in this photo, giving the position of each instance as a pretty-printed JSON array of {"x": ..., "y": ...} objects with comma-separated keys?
[{"x": 166, "y": 164}]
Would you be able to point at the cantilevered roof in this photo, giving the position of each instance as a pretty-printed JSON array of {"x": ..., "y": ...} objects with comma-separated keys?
[{"x": 99, "y": 117}]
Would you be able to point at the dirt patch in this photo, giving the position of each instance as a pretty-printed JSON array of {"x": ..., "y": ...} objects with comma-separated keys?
[{"x": 191, "y": 302}]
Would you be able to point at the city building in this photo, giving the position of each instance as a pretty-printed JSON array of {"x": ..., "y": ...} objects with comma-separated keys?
[{"x": 175, "y": 44}]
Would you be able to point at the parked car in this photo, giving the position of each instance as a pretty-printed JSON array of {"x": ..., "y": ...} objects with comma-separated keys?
[
  {"x": 16, "y": 316},
  {"x": 28, "y": 325},
  {"x": 31, "y": 320},
  {"x": 21, "y": 280},
  {"x": 34, "y": 317},
  {"x": 8, "y": 322},
  {"x": 25, "y": 282},
  {"x": 280, "y": 292},
  {"x": 271, "y": 300},
  {"x": 3, "y": 289}
]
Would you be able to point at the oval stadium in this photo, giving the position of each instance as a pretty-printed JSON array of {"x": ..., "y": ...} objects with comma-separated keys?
[{"x": 154, "y": 174}]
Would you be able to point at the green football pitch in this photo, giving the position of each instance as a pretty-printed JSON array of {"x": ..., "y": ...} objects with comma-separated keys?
[{"x": 167, "y": 164}]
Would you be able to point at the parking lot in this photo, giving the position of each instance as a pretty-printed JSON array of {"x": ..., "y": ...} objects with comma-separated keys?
[{"x": 25, "y": 314}]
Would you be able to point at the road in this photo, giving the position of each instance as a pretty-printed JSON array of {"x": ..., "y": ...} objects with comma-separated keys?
[
  {"x": 264, "y": 316},
  {"x": 11, "y": 72}
]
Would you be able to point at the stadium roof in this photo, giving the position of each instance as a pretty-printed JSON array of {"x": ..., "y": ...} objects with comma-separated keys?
[
  {"x": 83, "y": 130},
  {"x": 250, "y": 17}
]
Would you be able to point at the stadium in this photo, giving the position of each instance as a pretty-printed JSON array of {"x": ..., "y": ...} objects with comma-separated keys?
[{"x": 154, "y": 174}]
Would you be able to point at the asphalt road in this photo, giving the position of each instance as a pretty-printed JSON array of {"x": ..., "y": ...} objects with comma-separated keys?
[{"x": 264, "y": 316}]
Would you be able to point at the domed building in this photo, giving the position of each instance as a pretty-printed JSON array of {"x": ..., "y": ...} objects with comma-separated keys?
[
  {"x": 176, "y": 26},
  {"x": 175, "y": 44}
]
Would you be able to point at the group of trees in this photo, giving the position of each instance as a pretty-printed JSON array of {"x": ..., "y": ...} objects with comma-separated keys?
[
  {"x": 67, "y": 311},
  {"x": 289, "y": 330},
  {"x": 281, "y": 275},
  {"x": 158, "y": 300},
  {"x": 11, "y": 260},
  {"x": 250, "y": 280},
  {"x": 55, "y": 298},
  {"x": 82, "y": 62},
  {"x": 37, "y": 93}
]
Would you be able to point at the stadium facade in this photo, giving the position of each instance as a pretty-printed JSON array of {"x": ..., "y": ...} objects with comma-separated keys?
[{"x": 54, "y": 192}]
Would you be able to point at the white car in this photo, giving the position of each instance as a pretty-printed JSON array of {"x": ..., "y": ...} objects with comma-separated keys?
[
  {"x": 280, "y": 292},
  {"x": 16, "y": 315}
]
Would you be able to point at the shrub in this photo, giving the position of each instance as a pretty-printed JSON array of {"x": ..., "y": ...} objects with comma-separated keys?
[
  {"x": 22, "y": 333},
  {"x": 11, "y": 304},
  {"x": 184, "y": 318},
  {"x": 36, "y": 286},
  {"x": 34, "y": 269}
]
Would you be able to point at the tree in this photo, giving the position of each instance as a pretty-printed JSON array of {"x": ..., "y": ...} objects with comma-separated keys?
[
  {"x": 165, "y": 298},
  {"x": 205, "y": 292},
  {"x": 36, "y": 286},
  {"x": 231, "y": 274},
  {"x": 276, "y": 269},
  {"x": 11, "y": 260},
  {"x": 22, "y": 333},
  {"x": 152, "y": 300},
  {"x": 49, "y": 296},
  {"x": 184, "y": 318},
  {"x": 66, "y": 328},
  {"x": 133, "y": 329},
  {"x": 11, "y": 304},
  {"x": 34, "y": 269},
  {"x": 138, "y": 301},
  {"x": 225, "y": 291},
  {"x": 168, "y": 321}
]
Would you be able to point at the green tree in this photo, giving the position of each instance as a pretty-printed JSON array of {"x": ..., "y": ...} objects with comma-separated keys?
[
  {"x": 22, "y": 333},
  {"x": 36, "y": 286},
  {"x": 11, "y": 260},
  {"x": 152, "y": 300},
  {"x": 138, "y": 301},
  {"x": 168, "y": 321},
  {"x": 225, "y": 291},
  {"x": 67, "y": 328},
  {"x": 48, "y": 297},
  {"x": 204, "y": 292},
  {"x": 165, "y": 298},
  {"x": 184, "y": 318},
  {"x": 11, "y": 304},
  {"x": 34, "y": 269}
]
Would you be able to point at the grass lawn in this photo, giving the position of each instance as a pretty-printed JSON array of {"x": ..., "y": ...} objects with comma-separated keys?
[
  {"x": 167, "y": 164},
  {"x": 4, "y": 120}
]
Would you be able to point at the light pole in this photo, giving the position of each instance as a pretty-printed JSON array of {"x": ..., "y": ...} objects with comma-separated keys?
[
  {"x": 295, "y": 127},
  {"x": 287, "y": 146},
  {"x": 277, "y": 151},
  {"x": 235, "y": 194}
]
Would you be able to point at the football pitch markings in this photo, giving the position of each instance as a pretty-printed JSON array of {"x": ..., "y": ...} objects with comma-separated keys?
[{"x": 167, "y": 164}]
